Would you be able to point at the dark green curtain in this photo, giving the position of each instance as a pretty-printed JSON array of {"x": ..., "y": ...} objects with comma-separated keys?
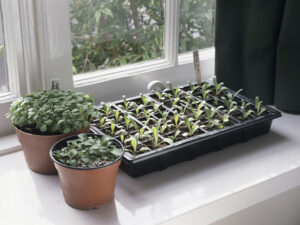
[{"x": 258, "y": 49}]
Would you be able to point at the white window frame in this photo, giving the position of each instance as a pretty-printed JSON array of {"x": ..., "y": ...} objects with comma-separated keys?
[
  {"x": 56, "y": 57},
  {"x": 20, "y": 79}
]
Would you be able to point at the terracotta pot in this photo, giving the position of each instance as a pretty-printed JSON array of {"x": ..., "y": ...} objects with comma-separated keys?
[
  {"x": 86, "y": 188},
  {"x": 36, "y": 149}
]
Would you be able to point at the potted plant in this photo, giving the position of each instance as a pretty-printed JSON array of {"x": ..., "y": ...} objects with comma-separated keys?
[
  {"x": 44, "y": 117},
  {"x": 87, "y": 166}
]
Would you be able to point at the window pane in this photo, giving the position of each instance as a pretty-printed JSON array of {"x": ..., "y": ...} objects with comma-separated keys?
[
  {"x": 110, "y": 33},
  {"x": 197, "y": 21},
  {"x": 3, "y": 76}
]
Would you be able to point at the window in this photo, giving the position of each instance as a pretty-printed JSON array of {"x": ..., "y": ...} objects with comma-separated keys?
[
  {"x": 110, "y": 33},
  {"x": 3, "y": 77},
  {"x": 197, "y": 21}
]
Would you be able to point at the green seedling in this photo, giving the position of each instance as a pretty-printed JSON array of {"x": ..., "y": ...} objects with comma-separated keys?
[
  {"x": 117, "y": 116},
  {"x": 173, "y": 101},
  {"x": 156, "y": 106},
  {"x": 112, "y": 127},
  {"x": 102, "y": 120},
  {"x": 219, "y": 87},
  {"x": 144, "y": 99},
  {"x": 127, "y": 105},
  {"x": 129, "y": 122},
  {"x": 175, "y": 135},
  {"x": 176, "y": 92},
  {"x": 211, "y": 120},
  {"x": 122, "y": 134},
  {"x": 106, "y": 109},
  {"x": 193, "y": 87},
  {"x": 192, "y": 127},
  {"x": 229, "y": 102},
  {"x": 156, "y": 139},
  {"x": 246, "y": 113},
  {"x": 138, "y": 110},
  {"x": 216, "y": 100},
  {"x": 205, "y": 90},
  {"x": 259, "y": 110},
  {"x": 177, "y": 121},
  {"x": 197, "y": 112}
]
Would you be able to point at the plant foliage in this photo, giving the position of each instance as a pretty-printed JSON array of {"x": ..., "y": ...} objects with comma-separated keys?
[
  {"x": 52, "y": 111},
  {"x": 88, "y": 152}
]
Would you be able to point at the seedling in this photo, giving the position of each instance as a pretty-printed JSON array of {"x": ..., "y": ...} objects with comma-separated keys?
[
  {"x": 138, "y": 110},
  {"x": 127, "y": 105},
  {"x": 192, "y": 127},
  {"x": 112, "y": 127},
  {"x": 156, "y": 106},
  {"x": 117, "y": 116},
  {"x": 197, "y": 112},
  {"x": 246, "y": 113},
  {"x": 216, "y": 100},
  {"x": 106, "y": 109},
  {"x": 219, "y": 87},
  {"x": 173, "y": 101},
  {"x": 177, "y": 121},
  {"x": 129, "y": 123},
  {"x": 176, "y": 92},
  {"x": 156, "y": 139},
  {"x": 144, "y": 99},
  {"x": 88, "y": 152},
  {"x": 122, "y": 134},
  {"x": 229, "y": 102},
  {"x": 102, "y": 120},
  {"x": 259, "y": 110},
  {"x": 175, "y": 135},
  {"x": 205, "y": 90},
  {"x": 210, "y": 115},
  {"x": 193, "y": 87}
]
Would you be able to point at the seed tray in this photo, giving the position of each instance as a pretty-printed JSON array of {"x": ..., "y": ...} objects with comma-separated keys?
[{"x": 204, "y": 142}]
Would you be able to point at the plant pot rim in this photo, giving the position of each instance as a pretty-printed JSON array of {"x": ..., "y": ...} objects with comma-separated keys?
[
  {"x": 48, "y": 135},
  {"x": 78, "y": 168}
]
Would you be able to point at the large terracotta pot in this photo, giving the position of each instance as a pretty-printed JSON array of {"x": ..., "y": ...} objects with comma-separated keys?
[
  {"x": 36, "y": 149},
  {"x": 86, "y": 188}
]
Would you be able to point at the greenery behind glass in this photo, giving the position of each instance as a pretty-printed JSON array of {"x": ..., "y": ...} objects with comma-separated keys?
[{"x": 110, "y": 33}]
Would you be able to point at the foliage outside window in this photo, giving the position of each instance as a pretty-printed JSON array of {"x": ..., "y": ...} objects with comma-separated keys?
[{"x": 110, "y": 33}]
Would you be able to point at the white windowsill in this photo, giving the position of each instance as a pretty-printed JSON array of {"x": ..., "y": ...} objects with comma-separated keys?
[{"x": 201, "y": 191}]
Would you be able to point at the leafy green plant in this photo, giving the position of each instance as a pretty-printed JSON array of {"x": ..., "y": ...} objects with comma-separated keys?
[
  {"x": 144, "y": 99},
  {"x": 174, "y": 101},
  {"x": 229, "y": 102},
  {"x": 197, "y": 112},
  {"x": 259, "y": 110},
  {"x": 129, "y": 122},
  {"x": 88, "y": 152},
  {"x": 219, "y": 87},
  {"x": 175, "y": 92},
  {"x": 117, "y": 116},
  {"x": 122, "y": 134},
  {"x": 205, "y": 90},
  {"x": 126, "y": 104},
  {"x": 175, "y": 135},
  {"x": 53, "y": 111},
  {"x": 245, "y": 113},
  {"x": 192, "y": 127},
  {"x": 157, "y": 141},
  {"x": 210, "y": 116},
  {"x": 106, "y": 109},
  {"x": 177, "y": 121},
  {"x": 193, "y": 87},
  {"x": 101, "y": 121}
]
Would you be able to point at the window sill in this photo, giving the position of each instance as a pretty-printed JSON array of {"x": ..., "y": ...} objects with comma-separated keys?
[{"x": 201, "y": 191}]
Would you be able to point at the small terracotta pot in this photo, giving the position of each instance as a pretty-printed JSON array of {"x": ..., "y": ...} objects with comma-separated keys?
[
  {"x": 36, "y": 149},
  {"x": 86, "y": 188}
]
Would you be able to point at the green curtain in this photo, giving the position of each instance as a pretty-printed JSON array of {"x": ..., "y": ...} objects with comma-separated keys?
[{"x": 258, "y": 49}]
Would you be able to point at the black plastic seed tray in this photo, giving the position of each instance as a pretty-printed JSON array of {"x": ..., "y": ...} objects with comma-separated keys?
[{"x": 205, "y": 142}]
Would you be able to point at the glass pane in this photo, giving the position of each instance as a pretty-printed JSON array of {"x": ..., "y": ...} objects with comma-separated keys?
[
  {"x": 197, "y": 22},
  {"x": 110, "y": 33},
  {"x": 3, "y": 76}
]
